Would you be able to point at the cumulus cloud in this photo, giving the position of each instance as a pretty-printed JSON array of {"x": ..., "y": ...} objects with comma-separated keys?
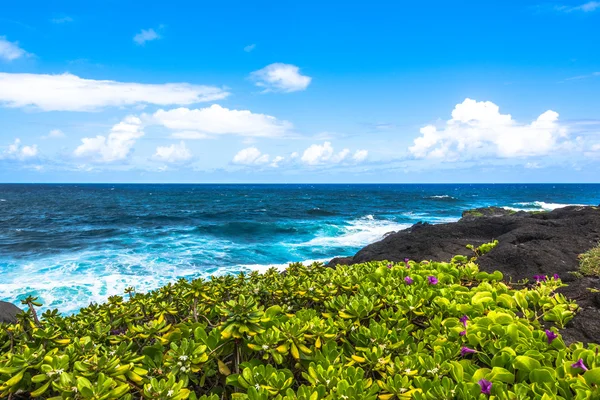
[
  {"x": 217, "y": 120},
  {"x": 145, "y": 35},
  {"x": 174, "y": 153},
  {"x": 10, "y": 51},
  {"x": 280, "y": 77},
  {"x": 16, "y": 151},
  {"x": 114, "y": 147},
  {"x": 249, "y": 48},
  {"x": 54, "y": 134},
  {"x": 479, "y": 129},
  {"x": 318, "y": 154},
  {"x": 360, "y": 155},
  {"x": 250, "y": 156},
  {"x": 67, "y": 92}
]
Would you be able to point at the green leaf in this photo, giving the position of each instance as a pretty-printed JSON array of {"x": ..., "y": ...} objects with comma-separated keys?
[{"x": 526, "y": 363}]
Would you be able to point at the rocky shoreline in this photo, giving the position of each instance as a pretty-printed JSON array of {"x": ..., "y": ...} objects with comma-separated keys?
[{"x": 538, "y": 243}]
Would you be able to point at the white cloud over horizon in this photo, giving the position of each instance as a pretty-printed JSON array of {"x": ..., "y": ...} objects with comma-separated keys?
[
  {"x": 478, "y": 129},
  {"x": 279, "y": 77},
  {"x": 318, "y": 154},
  {"x": 116, "y": 146},
  {"x": 146, "y": 35},
  {"x": 250, "y": 156},
  {"x": 218, "y": 120},
  {"x": 10, "y": 51},
  {"x": 68, "y": 92},
  {"x": 175, "y": 153},
  {"x": 16, "y": 151}
]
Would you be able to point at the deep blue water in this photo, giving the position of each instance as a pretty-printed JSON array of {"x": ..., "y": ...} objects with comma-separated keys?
[{"x": 74, "y": 244}]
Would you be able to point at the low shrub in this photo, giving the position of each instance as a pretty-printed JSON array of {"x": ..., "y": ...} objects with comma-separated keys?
[
  {"x": 428, "y": 330},
  {"x": 589, "y": 262}
]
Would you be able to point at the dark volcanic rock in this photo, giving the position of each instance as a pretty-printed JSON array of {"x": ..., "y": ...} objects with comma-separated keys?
[
  {"x": 8, "y": 312},
  {"x": 540, "y": 243}
]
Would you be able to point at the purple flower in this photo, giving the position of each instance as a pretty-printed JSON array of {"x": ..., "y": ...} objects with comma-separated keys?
[
  {"x": 465, "y": 350},
  {"x": 556, "y": 277},
  {"x": 432, "y": 280},
  {"x": 579, "y": 364},
  {"x": 550, "y": 335},
  {"x": 486, "y": 386},
  {"x": 390, "y": 265},
  {"x": 464, "y": 319},
  {"x": 463, "y": 333},
  {"x": 408, "y": 280},
  {"x": 539, "y": 278},
  {"x": 406, "y": 260}
]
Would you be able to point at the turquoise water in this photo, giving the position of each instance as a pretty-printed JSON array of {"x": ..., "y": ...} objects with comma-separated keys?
[{"x": 75, "y": 244}]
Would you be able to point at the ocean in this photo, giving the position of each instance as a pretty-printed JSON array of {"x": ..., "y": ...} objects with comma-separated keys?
[{"x": 73, "y": 244}]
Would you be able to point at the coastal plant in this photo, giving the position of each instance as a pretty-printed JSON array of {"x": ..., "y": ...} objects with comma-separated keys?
[
  {"x": 589, "y": 262},
  {"x": 377, "y": 330}
]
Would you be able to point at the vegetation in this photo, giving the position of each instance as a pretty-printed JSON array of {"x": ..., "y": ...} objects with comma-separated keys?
[
  {"x": 589, "y": 262},
  {"x": 384, "y": 331}
]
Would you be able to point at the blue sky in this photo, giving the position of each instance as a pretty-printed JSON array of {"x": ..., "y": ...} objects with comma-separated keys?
[{"x": 187, "y": 91}]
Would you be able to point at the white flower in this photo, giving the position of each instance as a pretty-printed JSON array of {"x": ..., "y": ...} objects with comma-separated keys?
[
  {"x": 311, "y": 288},
  {"x": 407, "y": 370},
  {"x": 179, "y": 363},
  {"x": 402, "y": 390},
  {"x": 183, "y": 369},
  {"x": 265, "y": 347},
  {"x": 327, "y": 381},
  {"x": 170, "y": 393},
  {"x": 60, "y": 371},
  {"x": 257, "y": 386},
  {"x": 183, "y": 358}
]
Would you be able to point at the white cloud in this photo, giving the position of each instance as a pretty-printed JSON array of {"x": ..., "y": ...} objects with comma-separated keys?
[
  {"x": 19, "y": 152},
  {"x": 10, "y": 51},
  {"x": 54, "y": 134},
  {"x": 596, "y": 147},
  {"x": 251, "y": 156},
  {"x": 585, "y": 7},
  {"x": 67, "y": 92},
  {"x": 579, "y": 77},
  {"x": 146, "y": 35},
  {"x": 478, "y": 129},
  {"x": 114, "y": 147},
  {"x": 360, "y": 155},
  {"x": 280, "y": 77},
  {"x": 217, "y": 120},
  {"x": 61, "y": 20},
  {"x": 249, "y": 48},
  {"x": 174, "y": 153},
  {"x": 318, "y": 154},
  {"x": 276, "y": 161},
  {"x": 190, "y": 135},
  {"x": 533, "y": 165}
]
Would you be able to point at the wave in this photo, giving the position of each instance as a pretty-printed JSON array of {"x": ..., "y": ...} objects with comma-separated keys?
[
  {"x": 241, "y": 228},
  {"x": 357, "y": 233},
  {"x": 441, "y": 197},
  {"x": 538, "y": 206}
]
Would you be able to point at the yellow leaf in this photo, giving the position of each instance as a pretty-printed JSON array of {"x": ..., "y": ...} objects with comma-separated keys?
[
  {"x": 223, "y": 369},
  {"x": 295, "y": 352},
  {"x": 358, "y": 359}
]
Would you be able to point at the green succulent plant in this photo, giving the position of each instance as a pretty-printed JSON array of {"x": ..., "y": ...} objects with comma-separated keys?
[{"x": 378, "y": 330}]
